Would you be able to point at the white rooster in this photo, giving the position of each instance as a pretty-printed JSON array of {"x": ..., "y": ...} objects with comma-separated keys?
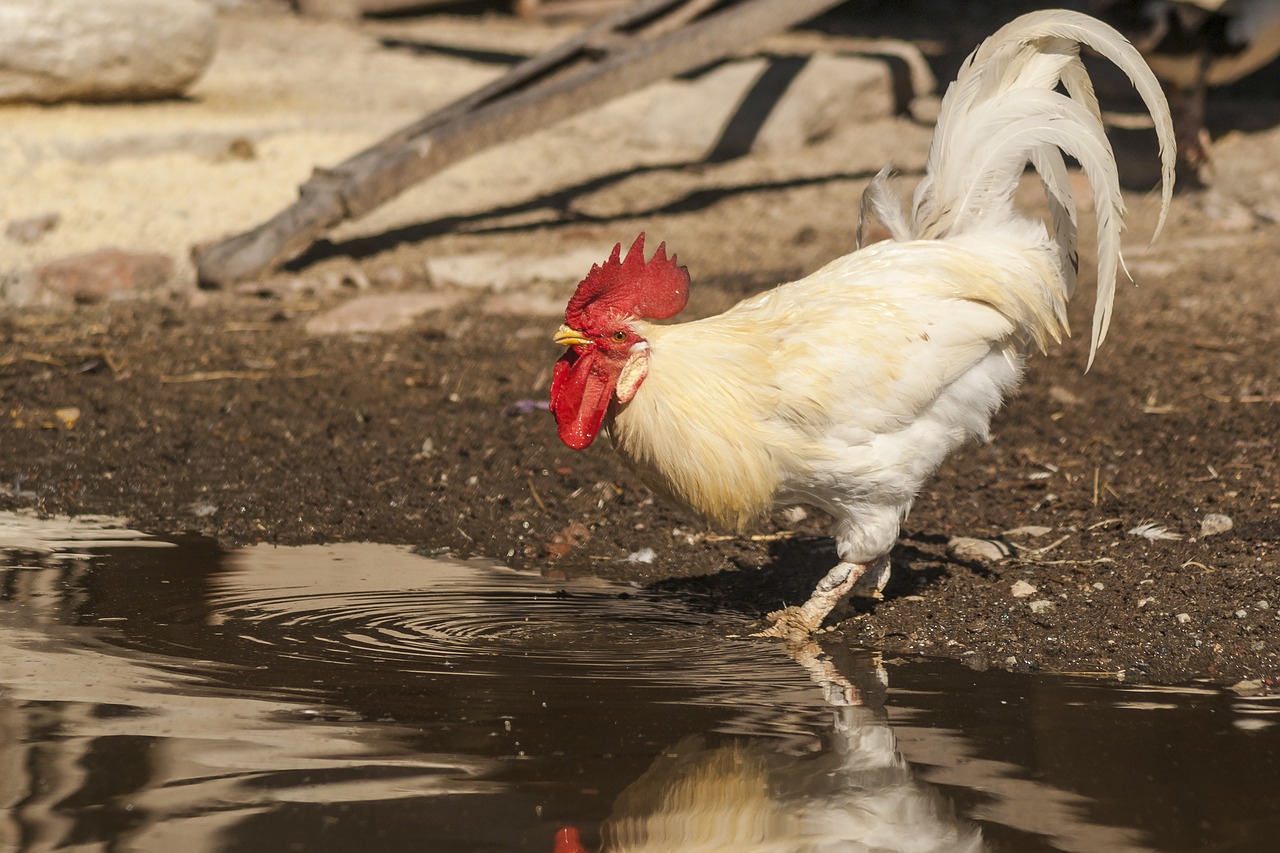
[{"x": 845, "y": 390}]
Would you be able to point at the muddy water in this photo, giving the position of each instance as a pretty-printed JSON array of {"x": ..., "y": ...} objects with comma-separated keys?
[{"x": 168, "y": 696}]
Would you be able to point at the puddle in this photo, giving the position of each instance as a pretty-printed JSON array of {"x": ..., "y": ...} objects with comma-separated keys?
[{"x": 166, "y": 695}]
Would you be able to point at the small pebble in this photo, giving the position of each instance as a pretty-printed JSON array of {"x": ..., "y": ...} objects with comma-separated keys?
[
  {"x": 1022, "y": 589},
  {"x": 1248, "y": 687},
  {"x": 1240, "y": 614},
  {"x": 1040, "y": 605},
  {"x": 977, "y": 550},
  {"x": 202, "y": 510},
  {"x": 644, "y": 555},
  {"x": 1184, "y": 618}
]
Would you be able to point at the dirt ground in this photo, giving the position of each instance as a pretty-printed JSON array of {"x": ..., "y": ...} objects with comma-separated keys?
[{"x": 219, "y": 413}]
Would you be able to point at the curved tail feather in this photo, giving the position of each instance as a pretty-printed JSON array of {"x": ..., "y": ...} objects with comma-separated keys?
[{"x": 1005, "y": 111}]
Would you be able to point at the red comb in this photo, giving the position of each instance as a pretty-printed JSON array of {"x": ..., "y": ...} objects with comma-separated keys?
[{"x": 630, "y": 287}]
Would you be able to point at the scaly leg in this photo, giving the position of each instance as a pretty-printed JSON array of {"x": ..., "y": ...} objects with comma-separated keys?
[
  {"x": 796, "y": 624},
  {"x": 872, "y": 582}
]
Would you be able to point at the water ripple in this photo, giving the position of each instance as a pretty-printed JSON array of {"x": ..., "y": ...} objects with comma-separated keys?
[{"x": 418, "y": 614}]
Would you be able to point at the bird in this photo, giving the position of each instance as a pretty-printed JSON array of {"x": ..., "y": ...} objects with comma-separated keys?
[
  {"x": 1192, "y": 45},
  {"x": 855, "y": 792},
  {"x": 845, "y": 390},
  {"x": 844, "y": 785}
]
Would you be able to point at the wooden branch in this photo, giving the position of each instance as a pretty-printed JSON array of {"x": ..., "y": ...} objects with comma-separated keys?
[{"x": 622, "y": 53}]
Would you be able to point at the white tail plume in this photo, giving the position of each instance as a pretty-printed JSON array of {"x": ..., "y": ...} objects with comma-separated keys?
[{"x": 1003, "y": 112}]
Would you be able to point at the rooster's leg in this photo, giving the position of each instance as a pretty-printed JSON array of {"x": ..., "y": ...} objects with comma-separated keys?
[
  {"x": 796, "y": 624},
  {"x": 871, "y": 583}
]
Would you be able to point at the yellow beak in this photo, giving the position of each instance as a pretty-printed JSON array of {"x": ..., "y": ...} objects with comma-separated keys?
[{"x": 567, "y": 337}]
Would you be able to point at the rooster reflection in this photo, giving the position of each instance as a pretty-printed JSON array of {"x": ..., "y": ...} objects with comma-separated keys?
[{"x": 854, "y": 793}]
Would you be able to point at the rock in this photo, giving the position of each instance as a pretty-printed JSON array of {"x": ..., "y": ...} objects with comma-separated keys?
[
  {"x": 574, "y": 534},
  {"x": 977, "y": 550},
  {"x": 1248, "y": 687},
  {"x": 1215, "y": 523},
  {"x": 1040, "y": 605},
  {"x": 1022, "y": 589},
  {"x": 32, "y": 228},
  {"x": 103, "y": 274},
  {"x": 381, "y": 312},
  {"x": 693, "y": 114},
  {"x": 103, "y": 50},
  {"x": 1183, "y": 618},
  {"x": 202, "y": 509},
  {"x": 830, "y": 91},
  {"x": 732, "y": 110}
]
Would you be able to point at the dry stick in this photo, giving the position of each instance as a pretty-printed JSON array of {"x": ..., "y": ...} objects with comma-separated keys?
[
  {"x": 537, "y": 93},
  {"x": 1039, "y": 552},
  {"x": 41, "y": 358},
  {"x": 537, "y": 497},
  {"x": 332, "y": 195}
]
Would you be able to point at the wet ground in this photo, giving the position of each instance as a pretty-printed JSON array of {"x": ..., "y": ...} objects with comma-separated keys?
[
  {"x": 225, "y": 414},
  {"x": 163, "y": 694}
]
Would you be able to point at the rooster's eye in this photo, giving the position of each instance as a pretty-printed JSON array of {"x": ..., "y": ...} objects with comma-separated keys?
[{"x": 620, "y": 336}]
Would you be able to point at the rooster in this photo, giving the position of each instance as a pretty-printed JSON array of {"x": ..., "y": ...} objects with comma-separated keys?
[{"x": 845, "y": 390}]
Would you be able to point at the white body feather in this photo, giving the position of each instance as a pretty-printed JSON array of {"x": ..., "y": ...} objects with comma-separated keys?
[{"x": 845, "y": 390}]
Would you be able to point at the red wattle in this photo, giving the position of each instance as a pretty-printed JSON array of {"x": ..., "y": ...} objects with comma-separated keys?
[{"x": 581, "y": 388}]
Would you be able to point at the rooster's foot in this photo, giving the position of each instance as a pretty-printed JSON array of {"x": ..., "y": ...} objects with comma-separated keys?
[{"x": 797, "y": 624}]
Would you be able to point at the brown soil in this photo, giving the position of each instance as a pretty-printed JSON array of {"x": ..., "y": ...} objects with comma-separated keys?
[{"x": 219, "y": 414}]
